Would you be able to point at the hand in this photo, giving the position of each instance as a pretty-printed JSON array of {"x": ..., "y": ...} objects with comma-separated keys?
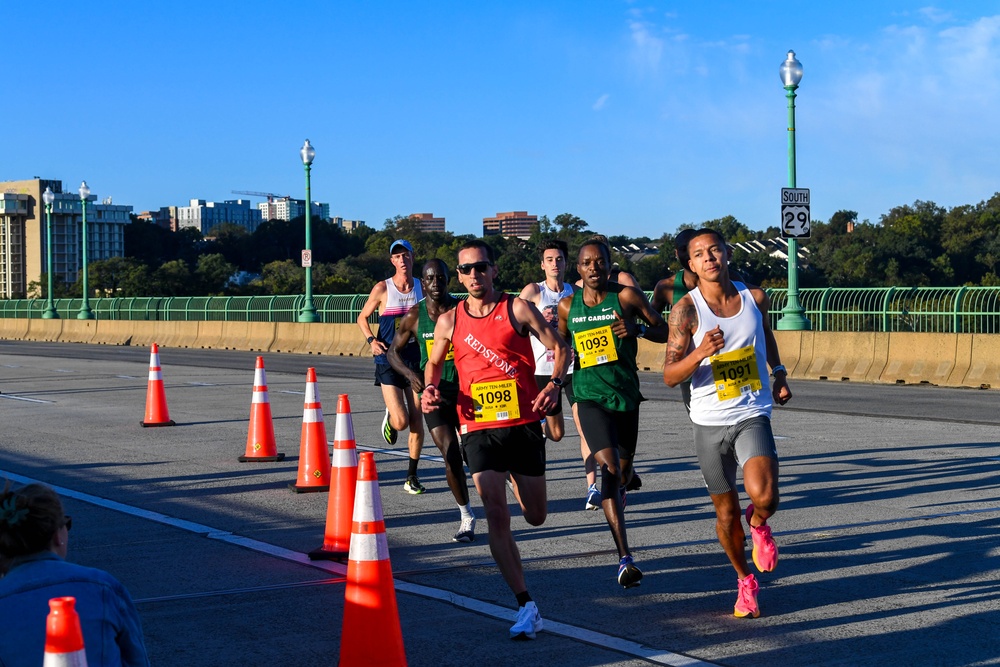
[
  {"x": 430, "y": 399},
  {"x": 620, "y": 327},
  {"x": 417, "y": 383},
  {"x": 780, "y": 391},
  {"x": 712, "y": 343},
  {"x": 546, "y": 399},
  {"x": 378, "y": 347}
]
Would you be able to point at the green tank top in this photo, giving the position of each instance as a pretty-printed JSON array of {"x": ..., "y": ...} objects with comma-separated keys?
[
  {"x": 448, "y": 384},
  {"x": 604, "y": 371},
  {"x": 680, "y": 289}
]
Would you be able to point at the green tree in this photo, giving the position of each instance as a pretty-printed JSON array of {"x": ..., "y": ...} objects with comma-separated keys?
[
  {"x": 212, "y": 273},
  {"x": 173, "y": 278}
]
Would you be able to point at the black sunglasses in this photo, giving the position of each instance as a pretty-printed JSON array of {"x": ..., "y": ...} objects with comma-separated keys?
[
  {"x": 68, "y": 522},
  {"x": 466, "y": 269}
]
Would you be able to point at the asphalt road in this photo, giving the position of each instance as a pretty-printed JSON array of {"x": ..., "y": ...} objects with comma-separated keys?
[{"x": 888, "y": 528}]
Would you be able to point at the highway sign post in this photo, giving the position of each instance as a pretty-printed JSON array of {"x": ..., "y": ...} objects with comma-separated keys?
[{"x": 795, "y": 221}]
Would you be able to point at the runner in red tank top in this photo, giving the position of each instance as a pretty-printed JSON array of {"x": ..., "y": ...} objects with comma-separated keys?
[{"x": 498, "y": 407}]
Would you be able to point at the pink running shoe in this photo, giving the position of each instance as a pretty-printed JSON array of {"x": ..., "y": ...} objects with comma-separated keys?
[
  {"x": 746, "y": 599},
  {"x": 765, "y": 551}
]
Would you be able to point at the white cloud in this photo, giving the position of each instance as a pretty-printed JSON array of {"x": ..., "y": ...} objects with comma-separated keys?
[{"x": 601, "y": 101}]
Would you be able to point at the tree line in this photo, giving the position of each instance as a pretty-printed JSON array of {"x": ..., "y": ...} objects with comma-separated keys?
[{"x": 921, "y": 244}]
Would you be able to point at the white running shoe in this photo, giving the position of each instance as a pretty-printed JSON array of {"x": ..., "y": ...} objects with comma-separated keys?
[
  {"x": 527, "y": 622},
  {"x": 467, "y": 531}
]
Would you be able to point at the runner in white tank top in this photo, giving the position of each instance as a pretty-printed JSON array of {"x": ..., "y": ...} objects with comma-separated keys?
[{"x": 721, "y": 339}]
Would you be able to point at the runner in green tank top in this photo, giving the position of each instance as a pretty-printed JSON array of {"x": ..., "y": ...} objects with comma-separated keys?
[
  {"x": 419, "y": 323},
  {"x": 600, "y": 321}
]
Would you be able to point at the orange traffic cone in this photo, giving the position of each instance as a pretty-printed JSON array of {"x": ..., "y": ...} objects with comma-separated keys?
[
  {"x": 63, "y": 636},
  {"x": 156, "y": 399},
  {"x": 370, "y": 634},
  {"x": 344, "y": 480},
  {"x": 314, "y": 456},
  {"x": 260, "y": 438}
]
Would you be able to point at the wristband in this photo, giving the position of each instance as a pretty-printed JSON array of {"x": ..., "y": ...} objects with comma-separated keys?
[
  {"x": 430, "y": 386},
  {"x": 370, "y": 339},
  {"x": 778, "y": 368}
]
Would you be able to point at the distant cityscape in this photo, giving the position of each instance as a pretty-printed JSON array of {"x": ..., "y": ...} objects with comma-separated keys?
[{"x": 23, "y": 227}]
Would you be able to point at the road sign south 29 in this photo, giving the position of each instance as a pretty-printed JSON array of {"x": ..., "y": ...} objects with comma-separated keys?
[{"x": 795, "y": 222}]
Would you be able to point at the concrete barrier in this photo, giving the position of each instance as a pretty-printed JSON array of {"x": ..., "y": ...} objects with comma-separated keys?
[
  {"x": 349, "y": 343},
  {"x": 112, "y": 332},
  {"x": 650, "y": 356},
  {"x": 45, "y": 330},
  {"x": 919, "y": 358},
  {"x": 235, "y": 336},
  {"x": 15, "y": 328},
  {"x": 186, "y": 334},
  {"x": 78, "y": 331},
  {"x": 839, "y": 356},
  {"x": 963, "y": 360},
  {"x": 209, "y": 335},
  {"x": 289, "y": 336},
  {"x": 795, "y": 350},
  {"x": 984, "y": 369},
  {"x": 144, "y": 333},
  {"x": 260, "y": 336},
  {"x": 319, "y": 339}
]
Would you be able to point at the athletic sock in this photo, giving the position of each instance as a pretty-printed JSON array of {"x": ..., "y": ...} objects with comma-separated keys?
[
  {"x": 412, "y": 472},
  {"x": 466, "y": 511},
  {"x": 523, "y": 599}
]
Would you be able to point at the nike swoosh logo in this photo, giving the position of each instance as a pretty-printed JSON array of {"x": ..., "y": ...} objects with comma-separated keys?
[{"x": 604, "y": 310}]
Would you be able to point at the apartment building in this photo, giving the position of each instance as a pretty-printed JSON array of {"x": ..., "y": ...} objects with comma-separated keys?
[
  {"x": 204, "y": 215},
  {"x": 287, "y": 208},
  {"x": 23, "y": 233},
  {"x": 428, "y": 223},
  {"x": 513, "y": 223}
]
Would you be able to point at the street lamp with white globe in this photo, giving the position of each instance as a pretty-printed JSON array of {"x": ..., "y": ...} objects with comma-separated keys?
[
  {"x": 793, "y": 315},
  {"x": 85, "y": 312},
  {"x": 308, "y": 312},
  {"x": 50, "y": 305}
]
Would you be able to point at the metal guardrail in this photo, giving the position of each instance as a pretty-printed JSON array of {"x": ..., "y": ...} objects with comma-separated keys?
[{"x": 882, "y": 309}]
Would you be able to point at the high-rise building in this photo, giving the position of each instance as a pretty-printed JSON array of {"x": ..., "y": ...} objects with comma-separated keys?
[
  {"x": 23, "y": 240},
  {"x": 428, "y": 223},
  {"x": 166, "y": 217},
  {"x": 513, "y": 223},
  {"x": 287, "y": 208},
  {"x": 203, "y": 215}
]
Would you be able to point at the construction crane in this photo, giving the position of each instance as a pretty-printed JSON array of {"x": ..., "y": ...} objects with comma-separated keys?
[{"x": 269, "y": 195}]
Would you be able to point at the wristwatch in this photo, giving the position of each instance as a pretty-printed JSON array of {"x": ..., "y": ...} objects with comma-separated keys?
[
  {"x": 557, "y": 382},
  {"x": 370, "y": 339}
]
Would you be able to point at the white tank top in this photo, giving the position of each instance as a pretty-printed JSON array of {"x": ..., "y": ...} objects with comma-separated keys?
[
  {"x": 548, "y": 304},
  {"x": 733, "y": 385}
]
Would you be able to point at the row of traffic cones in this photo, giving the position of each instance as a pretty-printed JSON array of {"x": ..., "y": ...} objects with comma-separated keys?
[
  {"x": 355, "y": 527},
  {"x": 370, "y": 632}
]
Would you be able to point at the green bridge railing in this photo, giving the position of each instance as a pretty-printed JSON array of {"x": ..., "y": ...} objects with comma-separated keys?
[{"x": 884, "y": 309}]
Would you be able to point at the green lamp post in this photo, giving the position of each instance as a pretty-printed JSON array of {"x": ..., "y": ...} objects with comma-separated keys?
[
  {"x": 85, "y": 312},
  {"x": 50, "y": 306},
  {"x": 793, "y": 316},
  {"x": 308, "y": 312}
]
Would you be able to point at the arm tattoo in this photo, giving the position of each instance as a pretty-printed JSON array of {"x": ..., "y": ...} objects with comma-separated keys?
[{"x": 683, "y": 320}]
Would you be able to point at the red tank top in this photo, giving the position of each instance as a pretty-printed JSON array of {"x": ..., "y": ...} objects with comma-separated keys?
[{"x": 495, "y": 369}]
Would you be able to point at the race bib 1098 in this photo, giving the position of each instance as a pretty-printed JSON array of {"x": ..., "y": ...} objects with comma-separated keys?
[{"x": 495, "y": 401}]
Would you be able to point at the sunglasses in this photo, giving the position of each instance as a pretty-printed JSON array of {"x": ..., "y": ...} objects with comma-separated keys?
[
  {"x": 68, "y": 522},
  {"x": 480, "y": 267}
]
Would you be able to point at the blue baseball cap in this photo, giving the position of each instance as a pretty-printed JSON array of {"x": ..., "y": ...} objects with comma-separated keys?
[{"x": 400, "y": 242}]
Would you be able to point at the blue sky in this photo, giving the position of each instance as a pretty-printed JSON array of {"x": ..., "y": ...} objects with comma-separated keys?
[{"x": 636, "y": 116}]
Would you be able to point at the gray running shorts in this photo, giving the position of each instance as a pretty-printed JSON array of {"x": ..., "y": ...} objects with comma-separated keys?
[{"x": 721, "y": 448}]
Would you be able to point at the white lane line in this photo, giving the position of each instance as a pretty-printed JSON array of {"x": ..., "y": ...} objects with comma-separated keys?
[
  {"x": 201, "y": 384},
  {"x": 11, "y": 397},
  {"x": 62, "y": 370},
  {"x": 501, "y": 613},
  {"x": 127, "y": 377},
  {"x": 11, "y": 366},
  {"x": 289, "y": 391},
  {"x": 399, "y": 453}
]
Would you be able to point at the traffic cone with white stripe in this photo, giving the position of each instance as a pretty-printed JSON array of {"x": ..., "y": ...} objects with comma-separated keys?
[
  {"x": 314, "y": 455},
  {"x": 156, "y": 398},
  {"x": 260, "y": 437},
  {"x": 63, "y": 636},
  {"x": 343, "y": 483},
  {"x": 370, "y": 634}
]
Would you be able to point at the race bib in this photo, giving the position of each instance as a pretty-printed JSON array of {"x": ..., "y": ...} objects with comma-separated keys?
[
  {"x": 735, "y": 373},
  {"x": 430, "y": 347},
  {"x": 495, "y": 401},
  {"x": 595, "y": 347}
]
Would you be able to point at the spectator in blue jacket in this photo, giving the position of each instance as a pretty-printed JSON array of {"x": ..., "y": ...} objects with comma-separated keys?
[{"x": 34, "y": 536}]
